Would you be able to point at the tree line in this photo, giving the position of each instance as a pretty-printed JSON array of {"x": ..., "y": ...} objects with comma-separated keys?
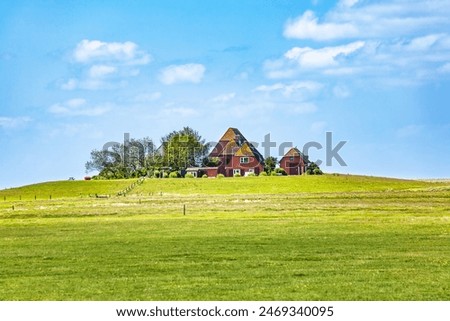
[{"x": 142, "y": 157}]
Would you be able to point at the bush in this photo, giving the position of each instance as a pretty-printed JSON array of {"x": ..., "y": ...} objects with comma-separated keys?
[
  {"x": 174, "y": 175},
  {"x": 251, "y": 174},
  {"x": 313, "y": 169},
  {"x": 317, "y": 171},
  {"x": 189, "y": 175},
  {"x": 165, "y": 175},
  {"x": 204, "y": 176},
  {"x": 220, "y": 176},
  {"x": 156, "y": 174},
  {"x": 237, "y": 175},
  {"x": 281, "y": 171},
  {"x": 263, "y": 174},
  {"x": 273, "y": 174}
]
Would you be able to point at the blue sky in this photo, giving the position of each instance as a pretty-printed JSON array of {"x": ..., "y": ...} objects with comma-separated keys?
[{"x": 77, "y": 74}]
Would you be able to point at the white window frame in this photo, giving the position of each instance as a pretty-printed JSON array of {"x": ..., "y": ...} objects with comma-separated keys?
[
  {"x": 236, "y": 171},
  {"x": 242, "y": 160}
]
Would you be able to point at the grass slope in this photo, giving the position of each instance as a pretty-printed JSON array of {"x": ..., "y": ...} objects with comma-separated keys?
[
  {"x": 64, "y": 189},
  {"x": 273, "y": 238},
  {"x": 280, "y": 185}
]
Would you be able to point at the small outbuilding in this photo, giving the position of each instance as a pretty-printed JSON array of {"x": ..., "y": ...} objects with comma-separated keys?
[{"x": 294, "y": 162}]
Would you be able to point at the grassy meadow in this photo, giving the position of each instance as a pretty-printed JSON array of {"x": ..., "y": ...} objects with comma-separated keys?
[{"x": 254, "y": 238}]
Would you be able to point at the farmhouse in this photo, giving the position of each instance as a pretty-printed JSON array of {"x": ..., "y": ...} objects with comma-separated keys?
[
  {"x": 294, "y": 162},
  {"x": 234, "y": 154}
]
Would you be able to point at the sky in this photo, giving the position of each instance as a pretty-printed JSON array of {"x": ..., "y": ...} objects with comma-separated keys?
[{"x": 75, "y": 75}]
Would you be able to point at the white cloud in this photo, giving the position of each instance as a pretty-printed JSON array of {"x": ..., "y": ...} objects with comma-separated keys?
[
  {"x": 393, "y": 18},
  {"x": 182, "y": 73},
  {"x": 279, "y": 69},
  {"x": 307, "y": 27},
  {"x": 399, "y": 42},
  {"x": 224, "y": 98},
  {"x": 371, "y": 20},
  {"x": 88, "y": 83},
  {"x": 317, "y": 58},
  {"x": 99, "y": 71},
  {"x": 423, "y": 43},
  {"x": 289, "y": 89},
  {"x": 243, "y": 75},
  {"x": 347, "y": 3},
  {"x": 77, "y": 129},
  {"x": 180, "y": 112},
  {"x": 306, "y": 58},
  {"x": 292, "y": 98},
  {"x": 76, "y": 102},
  {"x": 94, "y": 81},
  {"x": 77, "y": 107},
  {"x": 13, "y": 122},
  {"x": 105, "y": 65},
  {"x": 125, "y": 52},
  {"x": 304, "y": 108},
  {"x": 445, "y": 69},
  {"x": 344, "y": 71},
  {"x": 409, "y": 131},
  {"x": 341, "y": 91},
  {"x": 269, "y": 88},
  {"x": 147, "y": 97},
  {"x": 318, "y": 127},
  {"x": 70, "y": 84}
]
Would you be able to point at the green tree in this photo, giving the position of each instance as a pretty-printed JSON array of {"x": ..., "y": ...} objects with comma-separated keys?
[
  {"x": 183, "y": 148},
  {"x": 313, "y": 169},
  {"x": 269, "y": 164},
  {"x": 105, "y": 160},
  {"x": 122, "y": 160},
  {"x": 139, "y": 157}
]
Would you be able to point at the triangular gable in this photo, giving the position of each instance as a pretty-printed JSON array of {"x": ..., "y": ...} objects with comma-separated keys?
[
  {"x": 230, "y": 134},
  {"x": 230, "y": 148},
  {"x": 245, "y": 150},
  {"x": 234, "y": 143},
  {"x": 293, "y": 152}
]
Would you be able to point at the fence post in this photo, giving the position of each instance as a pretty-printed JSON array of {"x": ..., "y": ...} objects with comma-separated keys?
[{"x": 184, "y": 209}]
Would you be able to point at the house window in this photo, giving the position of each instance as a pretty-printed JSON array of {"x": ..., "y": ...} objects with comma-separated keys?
[
  {"x": 251, "y": 170},
  {"x": 291, "y": 158},
  {"x": 244, "y": 160},
  {"x": 236, "y": 171}
]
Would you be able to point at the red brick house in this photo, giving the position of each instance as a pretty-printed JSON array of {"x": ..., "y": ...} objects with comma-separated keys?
[
  {"x": 294, "y": 162},
  {"x": 234, "y": 154}
]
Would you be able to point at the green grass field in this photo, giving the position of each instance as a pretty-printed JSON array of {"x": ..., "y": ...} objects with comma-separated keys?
[{"x": 256, "y": 238}]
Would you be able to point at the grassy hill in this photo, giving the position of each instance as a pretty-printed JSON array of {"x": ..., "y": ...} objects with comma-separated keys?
[
  {"x": 261, "y": 238},
  {"x": 64, "y": 189},
  {"x": 243, "y": 185},
  {"x": 281, "y": 185}
]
